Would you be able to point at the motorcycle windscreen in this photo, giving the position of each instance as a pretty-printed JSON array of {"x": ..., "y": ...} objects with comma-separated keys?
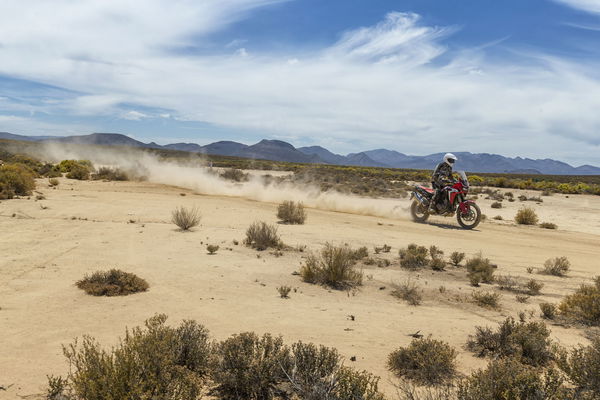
[{"x": 463, "y": 177}]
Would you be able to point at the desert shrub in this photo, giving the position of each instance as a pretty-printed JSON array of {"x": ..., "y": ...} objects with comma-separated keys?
[
  {"x": 383, "y": 249},
  {"x": 426, "y": 361},
  {"x": 291, "y": 212},
  {"x": 53, "y": 182},
  {"x": 250, "y": 367},
  {"x": 496, "y": 204},
  {"x": 185, "y": 218},
  {"x": 261, "y": 236},
  {"x": 508, "y": 379},
  {"x": 58, "y": 388},
  {"x": 548, "y": 310},
  {"x": 548, "y": 225},
  {"x": 533, "y": 287},
  {"x": 558, "y": 266},
  {"x": 526, "y": 216},
  {"x": 456, "y": 258},
  {"x": 582, "y": 366},
  {"x": 333, "y": 266},
  {"x": 408, "y": 291},
  {"x": 110, "y": 174},
  {"x": 311, "y": 369},
  {"x": 486, "y": 299},
  {"x": 284, "y": 291},
  {"x": 414, "y": 257},
  {"x": 522, "y": 198},
  {"x": 360, "y": 253},
  {"x": 435, "y": 252},
  {"x": 437, "y": 264},
  {"x": 212, "y": 248},
  {"x": 522, "y": 298},
  {"x": 316, "y": 373},
  {"x": 527, "y": 342},
  {"x": 498, "y": 218},
  {"x": 112, "y": 283},
  {"x": 16, "y": 180},
  {"x": 584, "y": 304},
  {"x": 352, "y": 384},
  {"x": 480, "y": 269},
  {"x": 158, "y": 362},
  {"x": 507, "y": 282},
  {"x": 235, "y": 175}
]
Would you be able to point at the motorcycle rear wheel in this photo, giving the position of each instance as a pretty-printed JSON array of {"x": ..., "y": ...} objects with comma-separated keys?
[
  {"x": 471, "y": 219},
  {"x": 418, "y": 212}
]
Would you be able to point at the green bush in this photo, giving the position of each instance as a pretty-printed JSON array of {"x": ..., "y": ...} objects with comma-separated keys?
[
  {"x": 558, "y": 266},
  {"x": 53, "y": 182},
  {"x": 76, "y": 169},
  {"x": 290, "y": 212},
  {"x": 185, "y": 218},
  {"x": 584, "y": 304},
  {"x": 212, "y": 248},
  {"x": 508, "y": 379},
  {"x": 526, "y": 216},
  {"x": 333, "y": 267},
  {"x": 480, "y": 269},
  {"x": 425, "y": 361},
  {"x": 548, "y": 225},
  {"x": 16, "y": 180},
  {"x": 66, "y": 166},
  {"x": 250, "y": 367},
  {"x": 414, "y": 257},
  {"x": 496, "y": 204},
  {"x": 158, "y": 362},
  {"x": 261, "y": 236},
  {"x": 80, "y": 172},
  {"x": 528, "y": 342},
  {"x": 112, "y": 283}
]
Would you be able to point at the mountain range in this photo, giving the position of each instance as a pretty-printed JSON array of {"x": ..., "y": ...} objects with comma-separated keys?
[{"x": 278, "y": 150}]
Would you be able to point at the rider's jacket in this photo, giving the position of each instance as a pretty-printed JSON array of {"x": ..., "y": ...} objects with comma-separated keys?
[{"x": 442, "y": 173}]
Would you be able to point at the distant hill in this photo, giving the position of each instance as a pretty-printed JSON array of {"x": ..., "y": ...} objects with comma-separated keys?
[{"x": 278, "y": 150}]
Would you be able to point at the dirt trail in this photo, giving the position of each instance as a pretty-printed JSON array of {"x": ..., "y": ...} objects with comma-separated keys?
[{"x": 87, "y": 227}]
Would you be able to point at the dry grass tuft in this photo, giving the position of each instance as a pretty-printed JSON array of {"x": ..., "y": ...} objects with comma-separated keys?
[{"x": 185, "y": 218}]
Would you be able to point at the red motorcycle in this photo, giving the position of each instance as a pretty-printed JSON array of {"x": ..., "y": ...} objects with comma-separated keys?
[{"x": 453, "y": 199}]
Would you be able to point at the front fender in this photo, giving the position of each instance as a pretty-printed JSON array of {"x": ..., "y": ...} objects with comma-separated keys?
[{"x": 465, "y": 206}]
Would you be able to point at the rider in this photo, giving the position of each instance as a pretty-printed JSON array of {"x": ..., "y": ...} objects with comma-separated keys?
[{"x": 442, "y": 176}]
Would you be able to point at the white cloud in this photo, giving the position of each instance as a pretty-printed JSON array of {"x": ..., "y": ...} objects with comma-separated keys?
[
  {"x": 134, "y": 115},
  {"x": 592, "y": 6},
  {"x": 379, "y": 86}
]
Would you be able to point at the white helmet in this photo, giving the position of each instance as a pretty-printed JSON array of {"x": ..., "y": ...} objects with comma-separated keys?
[{"x": 450, "y": 159}]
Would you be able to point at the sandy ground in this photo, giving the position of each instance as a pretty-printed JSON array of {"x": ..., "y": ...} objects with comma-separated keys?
[{"x": 86, "y": 226}]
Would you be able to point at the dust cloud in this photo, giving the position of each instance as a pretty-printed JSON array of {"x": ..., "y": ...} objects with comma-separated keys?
[{"x": 195, "y": 175}]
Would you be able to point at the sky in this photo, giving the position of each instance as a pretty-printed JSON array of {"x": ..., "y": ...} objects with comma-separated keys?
[{"x": 512, "y": 77}]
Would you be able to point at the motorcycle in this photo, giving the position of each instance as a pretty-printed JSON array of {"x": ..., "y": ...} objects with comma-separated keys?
[{"x": 455, "y": 201}]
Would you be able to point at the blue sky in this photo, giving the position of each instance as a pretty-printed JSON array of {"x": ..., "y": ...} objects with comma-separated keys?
[{"x": 515, "y": 77}]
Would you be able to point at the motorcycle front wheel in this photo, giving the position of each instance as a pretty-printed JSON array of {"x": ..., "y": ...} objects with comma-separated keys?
[
  {"x": 471, "y": 219},
  {"x": 419, "y": 212}
]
